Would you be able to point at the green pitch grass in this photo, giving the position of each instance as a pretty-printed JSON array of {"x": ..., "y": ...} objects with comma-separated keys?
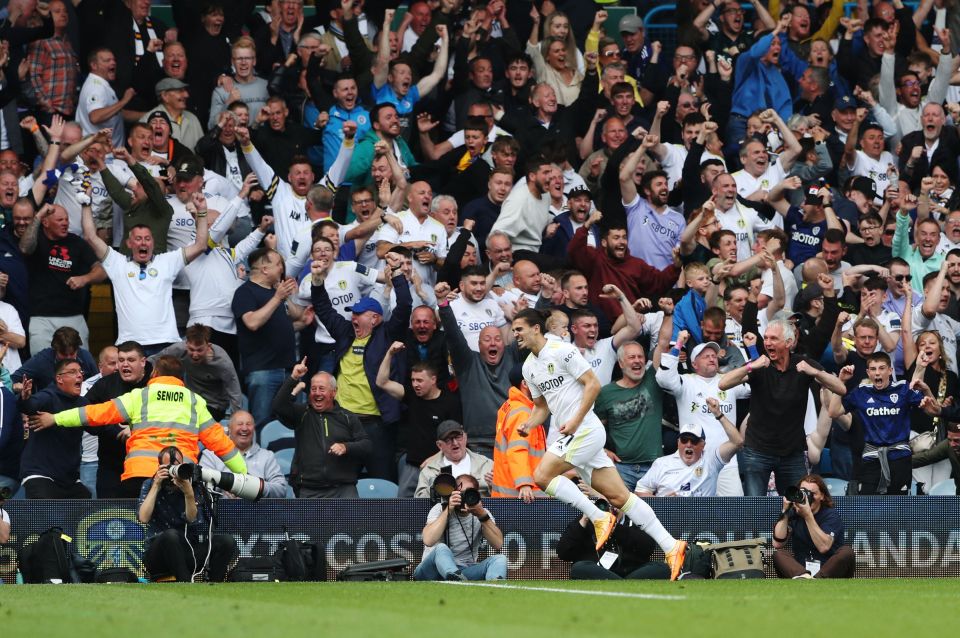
[{"x": 521, "y": 609}]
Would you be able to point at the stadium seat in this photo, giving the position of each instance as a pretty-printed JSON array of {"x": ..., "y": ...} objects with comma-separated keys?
[
  {"x": 944, "y": 488},
  {"x": 273, "y": 431},
  {"x": 377, "y": 488},
  {"x": 837, "y": 487},
  {"x": 289, "y": 493},
  {"x": 285, "y": 460}
]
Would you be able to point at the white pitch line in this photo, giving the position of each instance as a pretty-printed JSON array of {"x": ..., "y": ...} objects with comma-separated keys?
[{"x": 558, "y": 590}]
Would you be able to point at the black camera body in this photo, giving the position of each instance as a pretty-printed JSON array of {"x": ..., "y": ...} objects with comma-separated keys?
[
  {"x": 798, "y": 495},
  {"x": 470, "y": 497},
  {"x": 445, "y": 484}
]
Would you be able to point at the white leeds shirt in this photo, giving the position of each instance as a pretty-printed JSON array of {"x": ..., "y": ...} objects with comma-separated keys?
[
  {"x": 430, "y": 230},
  {"x": 670, "y": 474},
  {"x": 145, "y": 305},
  {"x": 346, "y": 282},
  {"x": 554, "y": 374},
  {"x": 474, "y": 317},
  {"x": 601, "y": 358},
  {"x": 692, "y": 391}
]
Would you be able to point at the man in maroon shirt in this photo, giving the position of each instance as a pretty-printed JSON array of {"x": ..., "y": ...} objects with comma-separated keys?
[{"x": 611, "y": 263}]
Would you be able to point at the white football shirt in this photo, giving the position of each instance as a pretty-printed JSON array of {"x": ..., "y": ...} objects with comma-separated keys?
[{"x": 554, "y": 374}]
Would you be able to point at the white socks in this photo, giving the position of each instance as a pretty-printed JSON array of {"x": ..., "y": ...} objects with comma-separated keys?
[
  {"x": 563, "y": 489},
  {"x": 642, "y": 514}
]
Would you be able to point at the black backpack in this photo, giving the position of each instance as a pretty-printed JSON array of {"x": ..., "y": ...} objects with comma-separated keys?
[
  {"x": 300, "y": 562},
  {"x": 52, "y": 559}
]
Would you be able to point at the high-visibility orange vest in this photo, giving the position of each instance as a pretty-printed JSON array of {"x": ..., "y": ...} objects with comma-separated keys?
[
  {"x": 515, "y": 457},
  {"x": 163, "y": 414}
]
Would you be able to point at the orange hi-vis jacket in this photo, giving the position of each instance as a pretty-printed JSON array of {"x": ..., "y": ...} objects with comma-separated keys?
[
  {"x": 515, "y": 457},
  {"x": 162, "y": 414}
]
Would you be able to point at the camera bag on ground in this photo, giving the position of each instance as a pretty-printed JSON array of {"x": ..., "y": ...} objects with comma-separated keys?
[
  {"x": 301, "y": 562},
  {"x": 116, "y": 575},
  {"x": 737, "y": 559},
  {"x": 381, "y": 570},
  {"x": 51, "y": 559},
  {"x": 258, "y": 570}
]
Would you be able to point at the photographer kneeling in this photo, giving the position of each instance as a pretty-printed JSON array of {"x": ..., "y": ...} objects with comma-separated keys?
[
  {"x": 451, "y": 538},
  {"x": 179, "y": 519},
  {"x": 816, "y": 527}
]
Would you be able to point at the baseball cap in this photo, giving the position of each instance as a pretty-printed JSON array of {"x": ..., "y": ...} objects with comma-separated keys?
[
  {"x": 693, "y": 429},
  {"x": 579, "y": 190},
  {"x": 169, "y": 84},
  {"x": 631, "y": 23},
  {"x": 810, "y": 292},
  {"x": 713, "y": 345},
  {"x": 448, "y": 427},
  {"x": 365, "y": 304},
  {"x": 865, "y": 185},
  {"x": 158, "y": 113},
  {"x": 844, "y": 102},
  {"x": 189, "y": 167}
]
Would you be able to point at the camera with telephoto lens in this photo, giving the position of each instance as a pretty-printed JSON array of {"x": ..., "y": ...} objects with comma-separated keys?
[
  {"x": 798, "y": 495},
  {"x": 445, "y": 484},
  {"x": 241, "y": 485},
  {"x": 5, "y": 493}
]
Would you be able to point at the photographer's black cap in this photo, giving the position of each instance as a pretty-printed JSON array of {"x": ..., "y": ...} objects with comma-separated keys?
[{"x": 448, "y": 427}]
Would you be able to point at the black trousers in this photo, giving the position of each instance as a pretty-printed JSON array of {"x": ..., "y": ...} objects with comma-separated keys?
[
  {"x": 171, "y": 553},
  {"x": 108, "y": 482},
  {"x": 130, "y": 488},
  {"x": 46, "y": 488},
  {"x": 382, "y": 462},
  {"x": 901, "y": 475},
  {"x": 589, "y": 570}
]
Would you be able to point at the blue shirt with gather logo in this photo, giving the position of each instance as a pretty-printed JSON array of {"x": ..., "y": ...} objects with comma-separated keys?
[{"x": 885, "y": 414}]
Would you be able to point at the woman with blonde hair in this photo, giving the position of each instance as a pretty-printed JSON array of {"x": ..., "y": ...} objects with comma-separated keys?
[
  {"x": 557, "y": 24},
  {"x": 926, "y": 430},
  {"x": 553, "y": 66}
]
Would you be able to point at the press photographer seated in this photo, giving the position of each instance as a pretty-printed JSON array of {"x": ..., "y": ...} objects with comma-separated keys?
[
  {"x": 178, "y": 515},
  {"x": 625, "y": 555},
  {"x": 451, "y": 537},
  {"x": 809, "y": 518}
]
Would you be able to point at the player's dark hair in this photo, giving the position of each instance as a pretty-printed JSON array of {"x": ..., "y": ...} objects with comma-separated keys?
[{"x": 533, "y": 317}]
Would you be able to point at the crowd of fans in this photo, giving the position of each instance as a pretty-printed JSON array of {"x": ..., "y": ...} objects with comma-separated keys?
[{"x": 737, "y": 229}]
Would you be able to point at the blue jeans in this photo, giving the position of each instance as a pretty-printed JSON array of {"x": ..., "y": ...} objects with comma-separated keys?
[
  {"x": 440, "y": 563},
  {"x": 755, "y": 470},
  {"x": 88, "y": 476},
  {"x": 262, "y": 386},
  {"x": 631, "y": 473}
]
